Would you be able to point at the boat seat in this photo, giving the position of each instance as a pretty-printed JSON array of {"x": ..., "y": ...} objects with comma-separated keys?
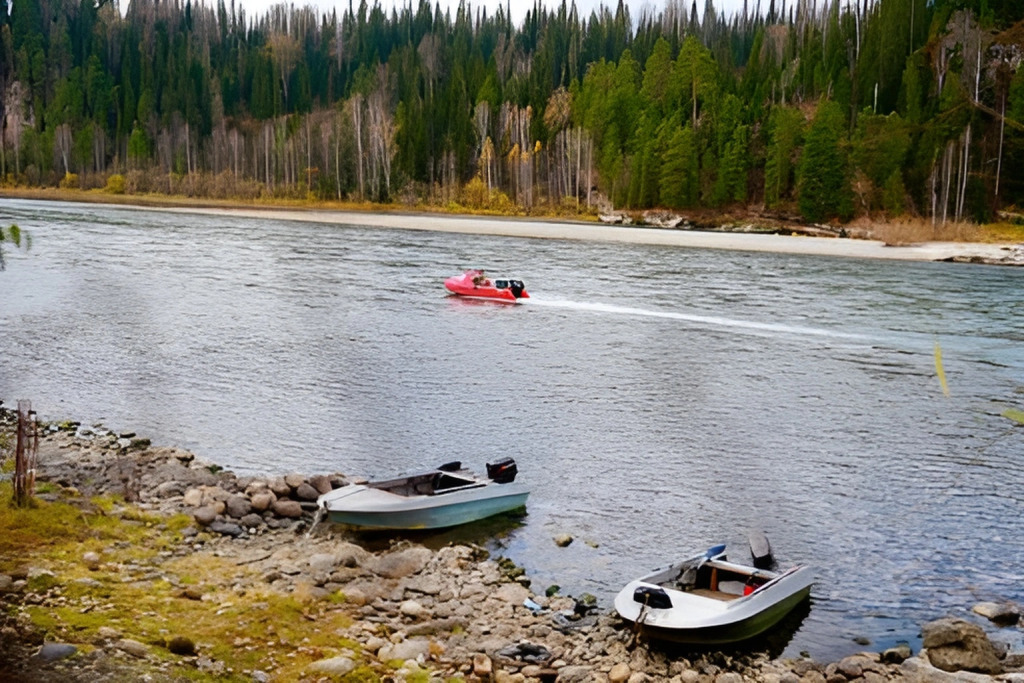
[{"x": 731, "y": 587}]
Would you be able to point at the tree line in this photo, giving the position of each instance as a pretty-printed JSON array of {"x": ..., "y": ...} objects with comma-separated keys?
[{"x": 829, "y": 108}]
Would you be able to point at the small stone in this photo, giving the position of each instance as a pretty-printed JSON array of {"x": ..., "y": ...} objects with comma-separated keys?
[
  {"x": 51, "y": 652},
  {"x": 251, "y": 521},
  {"x": 205, "y": 515},
  {"x": 227, "y": 529},
  {"x": 262, "y": 500},
  {"x": 482, "y": 666},
  {"x": 132, "y": 647},
  {"x": 619, "y": 673},
  {"x": 411, "y": 608},
  {"x": 91, "y": 560},
  {"x": 238, "y": 506},
  {"x": 563, "y": 540},
  {"x": 1001, "y": 614}
]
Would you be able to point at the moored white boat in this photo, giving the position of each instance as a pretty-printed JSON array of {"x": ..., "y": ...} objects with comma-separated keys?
[
  {"x": 707, "y": 600},
  {"x": 446, "y": 496}
]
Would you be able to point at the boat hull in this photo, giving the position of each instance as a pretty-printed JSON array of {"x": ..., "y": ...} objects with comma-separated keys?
[
  {"x": 369, "y": 509},
  {"x": 727, "y": 633},
  {"x": 696, "y": 616},
  {"x": 473, "y": 285}
]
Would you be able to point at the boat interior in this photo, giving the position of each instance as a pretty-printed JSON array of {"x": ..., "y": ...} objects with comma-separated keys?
[
  {"x": 428, "y": 484},
  {"x": 721, "y": 580}
]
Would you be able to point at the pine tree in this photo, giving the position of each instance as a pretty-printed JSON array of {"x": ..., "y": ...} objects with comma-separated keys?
[{"x": 822, "y": 175}]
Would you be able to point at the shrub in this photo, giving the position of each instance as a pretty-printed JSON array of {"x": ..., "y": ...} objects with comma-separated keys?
[
  {"x": 115, "y": 184},
  {"x": 69, "y": 181}
]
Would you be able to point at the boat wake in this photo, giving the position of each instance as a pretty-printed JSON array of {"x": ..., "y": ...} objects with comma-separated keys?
[{"x": 709, "y": 320}]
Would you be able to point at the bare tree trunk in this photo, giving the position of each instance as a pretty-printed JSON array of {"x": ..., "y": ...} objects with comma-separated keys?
[{"x": 999, "y": 157}]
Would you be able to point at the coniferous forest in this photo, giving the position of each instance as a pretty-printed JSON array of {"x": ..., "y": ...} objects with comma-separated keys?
[{"x": 829, "y": 109}]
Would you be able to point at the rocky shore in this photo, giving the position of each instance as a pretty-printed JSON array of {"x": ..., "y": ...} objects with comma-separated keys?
[{"x": 188, "y": 572}]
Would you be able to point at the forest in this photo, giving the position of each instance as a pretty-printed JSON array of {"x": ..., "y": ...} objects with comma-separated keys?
[{"x": 823, "y": 109}]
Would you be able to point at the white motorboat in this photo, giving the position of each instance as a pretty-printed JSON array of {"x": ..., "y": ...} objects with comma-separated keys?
[
  {"x": 443, "y": 497},
  {"x": 707, "y": 600}
]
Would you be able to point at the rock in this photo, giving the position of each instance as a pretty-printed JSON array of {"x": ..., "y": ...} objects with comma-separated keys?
[
  {"x": 575, "y": 674},
  {"x": 619, "y": 673},
  {"x": 482, "y": 666},
  {"x": 238, "y": 506},
  {"x": 205, "y": 515},
  {"x": 957, "y": 645},
  {"x": 306, "y": 492},
  {"x": 193, "y": 498},
  {"x": 1002, "y": 614},
  {"x": 51, "y": 652},
  {"x": 132, "y": 647},
  {"x": 294, "y": 480},
  {"x": 181, "y": 645},
  {"x": 251, "y": 521},
  {"x": 562, "y": 540},
  {"x": 322, "y": 562},
  {"x": 400, "y": 563},
  {"x": 896, "y": 655},
  {"x": 260, "y": 677},
  {"x": 321, "y": 483},
  {"x": 227, "y": 529},
  {"x": 411, "y": 608},
  {"x": 335, "y": 666},
  {"x": 287, "y": 508},
  {"x": 106, "y": 633},
  {"x": 91, "y": 560},
  {"x": 168, "y": 489},
  {"x": 279, "y": 487},
  {"x": 413, "y": 648},
  {"x": 262, "y": 500},
  {"x": 5, "y": 583}
]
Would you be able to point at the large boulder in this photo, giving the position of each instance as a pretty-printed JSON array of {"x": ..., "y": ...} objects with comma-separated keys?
[
  {"x": 401, "y": 563},
  {"x": 958, "y": 645},
  {"x": 287, "y": 508}
]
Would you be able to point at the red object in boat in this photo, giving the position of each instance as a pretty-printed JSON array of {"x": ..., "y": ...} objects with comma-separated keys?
[{"x": 475, "y": 284}]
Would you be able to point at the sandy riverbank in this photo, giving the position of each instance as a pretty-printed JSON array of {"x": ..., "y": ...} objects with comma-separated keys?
[
  {"x": 1003, "y": 254},
  {"x": 752, "y": 238}
]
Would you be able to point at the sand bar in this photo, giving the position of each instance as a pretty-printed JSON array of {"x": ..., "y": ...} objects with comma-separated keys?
[{"x": 1010, "y": 254}]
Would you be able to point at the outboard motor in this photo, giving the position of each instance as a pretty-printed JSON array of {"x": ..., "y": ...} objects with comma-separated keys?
[
  {"x": 517, "y": 288},
  {"x": 503, "y": 471},
  {"x": 652, "y": 596}
]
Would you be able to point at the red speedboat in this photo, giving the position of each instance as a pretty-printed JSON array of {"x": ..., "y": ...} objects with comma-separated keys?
[{"x": 475, "y": 284}]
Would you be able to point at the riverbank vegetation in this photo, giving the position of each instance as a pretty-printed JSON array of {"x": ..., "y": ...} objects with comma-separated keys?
[{"x": 892, "y": 109}]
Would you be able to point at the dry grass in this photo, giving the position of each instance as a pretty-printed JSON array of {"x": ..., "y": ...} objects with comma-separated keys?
[{"x": 906, "y": 231}]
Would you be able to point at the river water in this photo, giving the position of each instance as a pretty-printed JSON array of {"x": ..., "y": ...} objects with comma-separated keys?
[{"x": 658, "y": 400}]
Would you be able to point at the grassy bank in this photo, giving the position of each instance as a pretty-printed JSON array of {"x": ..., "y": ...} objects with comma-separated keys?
[{"x": 97, "y": 570}]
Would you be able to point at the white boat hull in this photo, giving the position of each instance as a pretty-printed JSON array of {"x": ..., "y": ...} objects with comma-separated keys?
[
  {"x": 397, "y": 504},
  {"x": 714, "y": 617}
]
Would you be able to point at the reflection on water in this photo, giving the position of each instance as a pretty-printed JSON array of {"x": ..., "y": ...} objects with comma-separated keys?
[
  {"x": 490, "y": 533},
  {"x": 656, "y": 399}
]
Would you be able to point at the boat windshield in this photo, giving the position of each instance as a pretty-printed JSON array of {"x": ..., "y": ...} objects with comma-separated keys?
[{"x": 501, "y": 284}]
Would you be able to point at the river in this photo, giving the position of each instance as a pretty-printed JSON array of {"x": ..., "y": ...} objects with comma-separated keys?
[{"x": 658, "y": 400}]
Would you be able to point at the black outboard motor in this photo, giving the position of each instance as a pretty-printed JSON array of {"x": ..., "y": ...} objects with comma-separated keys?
[
  {"x": 517, "y": 288},
  {"x": 653, "y": 597},
  {"x": 502, "y": 472}
]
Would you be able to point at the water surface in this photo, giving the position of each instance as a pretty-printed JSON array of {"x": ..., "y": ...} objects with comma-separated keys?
[{"x": 657, "y": 399}]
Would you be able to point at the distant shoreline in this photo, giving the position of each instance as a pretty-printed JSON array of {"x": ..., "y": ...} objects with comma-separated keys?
[
  {"x": 543, "y": 228},
  {"x": 569, "y": 230}
]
